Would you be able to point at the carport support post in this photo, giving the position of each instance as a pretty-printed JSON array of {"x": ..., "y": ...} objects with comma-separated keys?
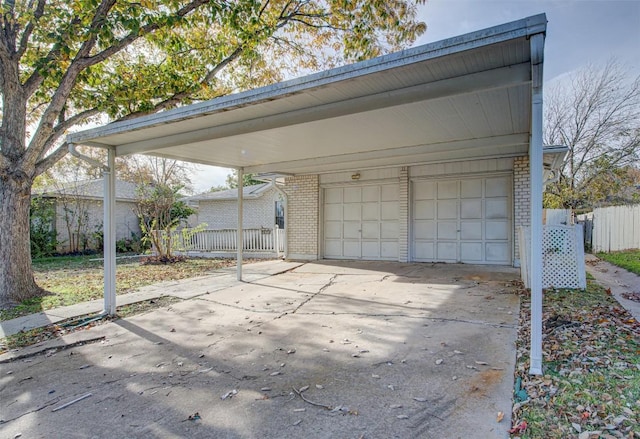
[
  {"x": 109, "y": 238},
  {"x": 536, "y": 175},
  {"x": 240, "y": 241}
]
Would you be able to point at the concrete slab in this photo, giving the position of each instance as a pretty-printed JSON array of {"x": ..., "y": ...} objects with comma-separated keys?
[
  {"x": 618, "y": 280},
  {"x": 387, "y": 350},
  {"x": 184, "y": 289}
]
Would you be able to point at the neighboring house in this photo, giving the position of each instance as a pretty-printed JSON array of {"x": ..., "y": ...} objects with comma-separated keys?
[
  {"x": 79, "y": 213},
  {"x": 263, "y": 207}
]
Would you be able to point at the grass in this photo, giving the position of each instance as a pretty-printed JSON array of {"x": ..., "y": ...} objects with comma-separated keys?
[
  {"x": 628, "y": 259},
  {"x": 75, "y": 279},
  {"x": 591, "y": 349}
]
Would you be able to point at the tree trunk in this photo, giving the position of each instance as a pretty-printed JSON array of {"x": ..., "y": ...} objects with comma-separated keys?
[{"x": 16, "y": 276}]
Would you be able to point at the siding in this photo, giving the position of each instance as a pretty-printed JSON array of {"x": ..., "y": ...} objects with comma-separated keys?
[
  {"x": 223, "y": 214},
  {"x": 126, "y": 220}
]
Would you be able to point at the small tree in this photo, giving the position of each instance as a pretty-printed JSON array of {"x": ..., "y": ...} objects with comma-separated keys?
[
  {"x": 597, "y": 115},
  {"x": 161, "y": 211}
]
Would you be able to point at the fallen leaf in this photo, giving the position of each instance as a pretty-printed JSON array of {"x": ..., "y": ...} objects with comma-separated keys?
[{"x": 500, "y": 416}]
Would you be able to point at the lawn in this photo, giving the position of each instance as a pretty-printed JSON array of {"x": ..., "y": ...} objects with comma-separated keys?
[
  {"x": 591, "y": 386},
  {"x": 628, "y": 259},
  {"x": 75, "y": 279}
]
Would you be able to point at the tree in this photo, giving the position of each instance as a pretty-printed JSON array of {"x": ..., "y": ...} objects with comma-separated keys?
[
  {"x": 247, "y": 180},
  {"x": 161, "y": 211},
  {"x": 597, "y": 115},
  {"x": 65, "y": 63}
]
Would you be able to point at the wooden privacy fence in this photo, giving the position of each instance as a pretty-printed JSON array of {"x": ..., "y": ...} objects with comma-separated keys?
[
  {"x": 226, "y": 240},
  {"x": 614, "y": 228}
]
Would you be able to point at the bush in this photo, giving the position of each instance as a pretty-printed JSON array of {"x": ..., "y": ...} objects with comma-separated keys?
[{"x": 44, "y": 239}]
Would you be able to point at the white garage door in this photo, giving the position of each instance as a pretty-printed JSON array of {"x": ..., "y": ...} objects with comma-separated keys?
[
  {"x": 361, "y": 222},
  {"x": 465, "y": 220}
]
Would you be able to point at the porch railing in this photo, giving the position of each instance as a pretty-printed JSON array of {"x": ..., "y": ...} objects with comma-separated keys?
[{"x": 226, "y": 240}]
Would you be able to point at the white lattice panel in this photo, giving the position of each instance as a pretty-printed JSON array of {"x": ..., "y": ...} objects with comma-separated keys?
[{"x": 562, "y": 257}]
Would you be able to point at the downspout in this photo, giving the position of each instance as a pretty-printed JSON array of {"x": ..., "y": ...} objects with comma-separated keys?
[
  {"x": 536, "y": 176},
  {"x": 109, "y": 241}
]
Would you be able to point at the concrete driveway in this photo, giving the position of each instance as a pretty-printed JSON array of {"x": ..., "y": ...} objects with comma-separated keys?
[{"x": 387, "y": 350}]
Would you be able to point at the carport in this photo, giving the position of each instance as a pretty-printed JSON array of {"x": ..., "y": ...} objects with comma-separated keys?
[{"x": 471, "y": 97}]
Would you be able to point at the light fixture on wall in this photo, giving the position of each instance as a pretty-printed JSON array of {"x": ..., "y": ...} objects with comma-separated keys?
[{"x": 355, "y": 176}]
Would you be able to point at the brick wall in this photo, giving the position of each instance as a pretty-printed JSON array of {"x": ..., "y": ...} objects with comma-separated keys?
[
  {"x": 521, "y": 199},
  {"x": 302, "y": 216},
  {"x": 223, "y": 214}
]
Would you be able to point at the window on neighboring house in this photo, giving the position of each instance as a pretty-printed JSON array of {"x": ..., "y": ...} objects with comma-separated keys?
[{"x": 280, "y": 214}]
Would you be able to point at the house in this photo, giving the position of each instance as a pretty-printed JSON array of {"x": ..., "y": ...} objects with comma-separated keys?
[
  {"x": 263, "y": 208},
  {"x": 80, "y": 213},
  {"x": 430, "y": 154}
]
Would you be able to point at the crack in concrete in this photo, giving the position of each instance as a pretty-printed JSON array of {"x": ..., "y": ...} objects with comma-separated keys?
[{"x": 311, "y": 297}]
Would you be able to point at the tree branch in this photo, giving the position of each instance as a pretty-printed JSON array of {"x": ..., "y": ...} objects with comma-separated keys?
[
  {"x": 176, "y": 98},
  {"x": 51, "y": 159},
  {"x": 24, "y": 40}
]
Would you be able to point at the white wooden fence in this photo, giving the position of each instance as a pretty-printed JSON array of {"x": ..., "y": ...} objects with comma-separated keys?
[
  {"x": 226, "y": 240},
  {"x": 616, "y": 228}
]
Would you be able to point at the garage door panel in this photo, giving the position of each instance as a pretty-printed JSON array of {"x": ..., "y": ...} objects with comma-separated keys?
[
  {"x": 424, "y": 190},
  {"x": 389, "y": 249},
  {"x": 471, "y": 188},
  {"x": 471, "y": 209},
  {"x": 370, "y": 193},
  {"x": 389, "y": 210},
  {"x": 370, "y": 230},
  {"x": 351, "y": 230},
  {"x": 370, "y": 211},
  {"x": 333, "y": 248},
  {"x": 497, "y": 252},
  {"x": 471, "y": 230},
  {"x": 497, "y": 186},
  {"x": 447, "y": 189},
  {"x": 497, "y": 208},
  {"x": 447, "y": 251},
  {"x": 333, "y": 229},
  {"x": 471, "y": 252},
  {"x": 352, "y": 195},
  {"x": 424, "y": 229},
  {"x": 447, "y": 209},
  {"x": 425, "y": 209},
  {"x": 352, "y": 212},
  {"x": 351, "y": 249},
  {"x": 424, "y": 251},
  {"x": 333, "y": 212},
  {"x": 389, "y": 192},
  {"x": 333, "y": 196},
  {"x": 389, "y": 230},
  {"x": 447, "y": 230},
  {"x": 371, "y": 249},
  {"x": 497, "y": 230}
]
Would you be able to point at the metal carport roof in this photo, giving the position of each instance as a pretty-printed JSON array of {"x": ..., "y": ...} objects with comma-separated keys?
[{"x": 464, "y": 97}]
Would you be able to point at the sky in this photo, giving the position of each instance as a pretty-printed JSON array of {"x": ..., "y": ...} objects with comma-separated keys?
[{"x": 579, "y": 32}]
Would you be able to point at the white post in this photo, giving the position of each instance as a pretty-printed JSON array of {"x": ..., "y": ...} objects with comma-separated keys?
[
  {"x": 240, "y": 243},
  {"x": 109, "y": 239},
  {"x": 276, "y": 240},
  {"x": 536, "y": 176}
]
